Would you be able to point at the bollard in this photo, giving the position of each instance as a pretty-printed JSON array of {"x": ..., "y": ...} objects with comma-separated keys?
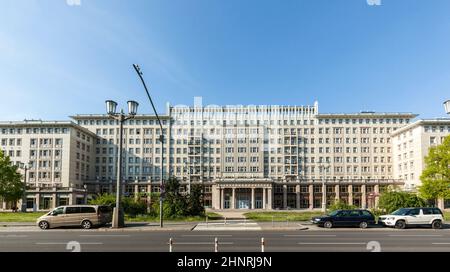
[
  {"x": 245, "y": 221},
  {"x": 206, "y": 221},
  {"x": 262, "y": 244},
  {"x": 216, "y": 245},
  {"x": 272, "y": 221},
  {"x": 170, "y": 245},
  {"x": 225, "y": 220},
  {"x": 287, "y": 221}
]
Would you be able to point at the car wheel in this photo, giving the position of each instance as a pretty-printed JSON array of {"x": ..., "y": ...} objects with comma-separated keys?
[
  {"x": 400, "y": 224},
  {"x": 363, "y": 224},
  {"x": 328, "y": 224},
  {"x": 86, "y": 224},
  {"x": 437, "y": 224},
  {"x": 44, "y": 225}
]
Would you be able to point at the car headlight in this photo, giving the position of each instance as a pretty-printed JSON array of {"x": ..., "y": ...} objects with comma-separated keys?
[{"x": 317, "y": 219}]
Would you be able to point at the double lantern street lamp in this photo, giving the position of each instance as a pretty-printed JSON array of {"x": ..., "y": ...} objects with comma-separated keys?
[
  {"x": 111, "y": 107},
  {"x": 25, "y": 168}
]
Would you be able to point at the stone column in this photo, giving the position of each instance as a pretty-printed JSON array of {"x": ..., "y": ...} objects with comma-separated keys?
[
  {"x": 222, "y": 199},
  {"x": 264, "y": 198},
  {"x": 350, "y": 194},
  {"x": 284, "y": 196},
  {"x": 297, "y": 195},
  {"x": 54, "y": 195},
  {"x": 376, "y": 190},
  {"x": 136, "y": 191},
  {"x": 441, "y": 203},
  {"x": 269, "y": 197},
  {"x": 337, "y": 192},
  {"x": 110, "y": 188},
  {"x": 38, "y": 200},
  {"x": 149, "y": 194},
  {"x": 233, "y": 195},
  {"x": 311, "y": 196},
  {"x": 363, "y": 197},
  {"x": 252, "y": 206},
  {"x": 324, "y": 195},
  {"x": 3, "y": 204}
]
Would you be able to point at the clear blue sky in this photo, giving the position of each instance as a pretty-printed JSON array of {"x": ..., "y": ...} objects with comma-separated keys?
[{"x": 57, "y": 60}]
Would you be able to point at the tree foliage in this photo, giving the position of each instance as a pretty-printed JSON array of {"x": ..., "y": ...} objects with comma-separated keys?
[
  {"x": 392, "y": 200},
  {"x": 11, "y": 185},
  {"x": 341, "y": 205},
  {"x": 129, "y": 204},
  {"x": 436, "y": 176}
]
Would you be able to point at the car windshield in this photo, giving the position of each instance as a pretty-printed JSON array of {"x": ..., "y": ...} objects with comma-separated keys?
[
  {"x": 401, "y": 211},
  {"x": 333, "y": 213}
]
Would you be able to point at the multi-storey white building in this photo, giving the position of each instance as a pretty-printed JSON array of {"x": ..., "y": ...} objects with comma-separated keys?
[
  {"x": 59, "y": 156},
  {"x": 256, "y": 157},
  {"x": 410, "y": 146}
]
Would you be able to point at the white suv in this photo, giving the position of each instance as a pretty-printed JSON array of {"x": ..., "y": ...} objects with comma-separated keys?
[{"x": 413, "y": 216}]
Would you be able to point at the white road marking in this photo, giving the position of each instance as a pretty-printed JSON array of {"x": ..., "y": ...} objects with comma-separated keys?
[
  {"x": 206, "y": 235},
  {"x": 305, "y": 235},
  {"x": 415, "y": 235},
  {"x": 441, "y": 243},
  {"x": 332, "y": 243},
  {"x": 87, "y": 243},
  {"x": 13, "y": 236},
  {"x": 104, "y": 235},
  {"x": 202, "y": 243}
]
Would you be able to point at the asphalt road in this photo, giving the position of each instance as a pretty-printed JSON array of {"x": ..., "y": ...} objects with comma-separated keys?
[{"x": 347, "y": 240}]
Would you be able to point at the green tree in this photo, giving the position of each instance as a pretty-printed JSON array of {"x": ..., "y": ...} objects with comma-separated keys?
[
  {"x": 436, "y": 176},
  {"x": 129, "y": 204},
  {"x": 11, "y": 185},
  {"x": 195, "y": 201},
  {"x": 392, "y": 200},
  {"x": 341, "y": 205},
  {"x": 175, "y": 205}
]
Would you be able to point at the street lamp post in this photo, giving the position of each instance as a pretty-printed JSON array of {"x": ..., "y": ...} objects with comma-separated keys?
[
  {"x": 161, "y": 139},
  {"x": 24, "y": 195},
  {"x": 118, "y": 218},
  {"x": 447, "y": 106}
]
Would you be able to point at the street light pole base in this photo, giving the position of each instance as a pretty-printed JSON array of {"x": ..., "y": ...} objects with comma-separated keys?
[{"x": 118, "y": 220}]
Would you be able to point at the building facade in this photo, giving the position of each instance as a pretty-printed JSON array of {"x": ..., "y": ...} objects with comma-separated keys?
[
  {"x": 59, "y": 156},
  {"x": 410, "y": 146},
  {"x": 246, "y": 157}
]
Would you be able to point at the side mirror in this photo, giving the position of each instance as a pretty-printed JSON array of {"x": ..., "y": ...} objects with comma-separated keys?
[{"x": 54, "y": 214}]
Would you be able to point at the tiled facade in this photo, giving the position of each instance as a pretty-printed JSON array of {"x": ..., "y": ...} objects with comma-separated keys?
[{"x": 256, "y": 157}]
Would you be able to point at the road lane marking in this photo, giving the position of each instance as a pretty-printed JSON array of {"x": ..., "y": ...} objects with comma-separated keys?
[
  {"x": 441, "y": 243},
  {"x": 332, "y": 243},
  {"x": 305, "y": 235},
  {"x": 205, "y": 235},
  {"x": 202, "y": 243},
  {"x": 415, "y": 235},
  {"x": 104, "y": 235},
  {"x": 13, "y": 236},
  {"x": 87, "y": 243}
]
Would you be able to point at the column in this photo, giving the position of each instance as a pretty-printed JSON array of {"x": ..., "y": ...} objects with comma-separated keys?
[
  {"x": 269, "y": 197},
  {"x": 253, "y": 199},
  {"x": 363, "y": 197},
  {"x": 110, "y": 188},
  {"x": 350, "y": 194},
  {"x": 222, "y": 199},
  {"x": 441, "y": 203},
  {"x": 136, "y": 191},
  {"x": 284, "y": 196},
  {"x": 3, "y": 204},
  {"x": 38, "y": 200},
  {"x": 264, "y": 198},
  {"x": 377, "y": 192},
  {"x": 324, "y": 196},
  {"x": 297, "y": 195},
  {"x": 149, "y": 194},
  {"x": 54, "y": 195},
  {"x": 311, "y": 197},
  {"x": 337, "y": 192},
  {"x": 233, "y": 195}
]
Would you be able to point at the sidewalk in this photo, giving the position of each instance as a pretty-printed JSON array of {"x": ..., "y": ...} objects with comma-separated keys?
[{"x": 130, "y": 226}]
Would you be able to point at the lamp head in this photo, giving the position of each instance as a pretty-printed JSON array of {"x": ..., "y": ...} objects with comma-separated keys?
[
  {"x": 447, "y": 106},
  {"x": 132, "y": 107},
  {"x": 111, "y": 107}
]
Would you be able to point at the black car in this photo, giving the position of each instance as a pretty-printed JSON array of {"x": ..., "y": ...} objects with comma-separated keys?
[{"x": 345, "y": 218}]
